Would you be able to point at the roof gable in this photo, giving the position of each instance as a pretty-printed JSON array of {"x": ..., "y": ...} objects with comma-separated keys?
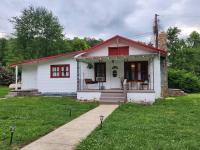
[{"x": 118, "y": 38}]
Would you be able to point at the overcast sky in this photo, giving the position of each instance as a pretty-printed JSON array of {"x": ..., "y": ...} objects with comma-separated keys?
[{"x": 106, "y": 18}]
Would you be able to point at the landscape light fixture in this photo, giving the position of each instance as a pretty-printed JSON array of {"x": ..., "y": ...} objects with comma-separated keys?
[
  {"x": 101, "y": 119},
  {"x": 12, "y": 130},
  {"x": 70, "y": 112}
]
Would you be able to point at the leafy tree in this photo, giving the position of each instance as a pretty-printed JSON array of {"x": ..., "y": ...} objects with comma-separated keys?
[
  {"x": 188, "y": 59},
  {"x": 92, "y": 41},
  {"x": 184, "y": 58},
  {"x": 184, "y": 80},
  {"x": 13, "y": 53},
  {"x": 79, "y": 44},
  {"x": 194, "y": 40},
  {"x": 3, "y": 50},
  {"x": 38, "y": 33},
  {"x": 173, "y": 43},
  {"x": 6, "y": 76}
]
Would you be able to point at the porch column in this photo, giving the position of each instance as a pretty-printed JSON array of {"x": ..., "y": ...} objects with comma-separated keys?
[{"x": 16, "y": 77}]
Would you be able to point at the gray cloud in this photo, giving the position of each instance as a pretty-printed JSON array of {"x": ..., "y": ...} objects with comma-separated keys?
[{"x": 105, "y": 18}]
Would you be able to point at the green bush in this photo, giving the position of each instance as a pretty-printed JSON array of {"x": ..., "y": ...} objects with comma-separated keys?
[
  {"x": 184, "y": 80},
  {"x": 6, "y": 76}
]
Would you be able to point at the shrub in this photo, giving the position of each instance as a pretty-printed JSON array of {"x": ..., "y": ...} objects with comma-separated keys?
[
  {"x": 181, "y": 79},
  {"x": 6, "y": 76}
]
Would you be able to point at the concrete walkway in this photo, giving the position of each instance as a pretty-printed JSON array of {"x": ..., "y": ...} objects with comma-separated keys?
[{"x": 69, "y": 135}]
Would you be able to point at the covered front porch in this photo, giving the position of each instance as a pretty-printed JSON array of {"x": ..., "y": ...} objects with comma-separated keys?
[
  {"x": 104, "y": 73},
  {"x": 134, "y": 76}
]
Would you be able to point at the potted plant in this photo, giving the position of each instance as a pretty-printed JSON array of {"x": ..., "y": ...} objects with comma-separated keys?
[{"x": 90, "y": 66}]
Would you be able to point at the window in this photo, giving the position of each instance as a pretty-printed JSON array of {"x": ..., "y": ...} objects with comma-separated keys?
[
  {"x": 100, "y": 72},
  {"x": 136, "y": 71},
  {"x": 60, "y": 71},
  {"x": 115, "y": 51}
]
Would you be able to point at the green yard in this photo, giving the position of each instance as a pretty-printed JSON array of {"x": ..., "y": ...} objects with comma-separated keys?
[
  {"x": 171, "y": 124},
  {"x": 3, "y": 91},
  {"x": 35, "y": 116}
]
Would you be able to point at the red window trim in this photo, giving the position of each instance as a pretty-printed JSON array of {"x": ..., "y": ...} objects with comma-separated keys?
[{"x": 60, "y": 73}]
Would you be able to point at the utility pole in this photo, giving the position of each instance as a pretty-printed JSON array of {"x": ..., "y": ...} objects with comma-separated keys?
[{"x": 156, "y": 30}]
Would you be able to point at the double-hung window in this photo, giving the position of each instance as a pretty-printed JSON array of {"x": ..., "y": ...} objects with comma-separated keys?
[
  {"x": 100, "y": 71},
  {"x": 136, "y": 71},
  {"x": 60, "y": 71}
]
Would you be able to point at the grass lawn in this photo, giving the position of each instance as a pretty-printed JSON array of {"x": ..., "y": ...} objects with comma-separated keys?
[
  {"x": 35, "y": 116},
  {"x": 171, "y": 124},
  {"x": 3, "y": 91}
]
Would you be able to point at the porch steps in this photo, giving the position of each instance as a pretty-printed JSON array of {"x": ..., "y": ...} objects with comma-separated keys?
[
  {"x": 30, "y": 92},
  {"x": 112, "y": 97}
]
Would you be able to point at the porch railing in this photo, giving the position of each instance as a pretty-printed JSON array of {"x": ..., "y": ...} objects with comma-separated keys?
[{"x": 125, "y": 90}]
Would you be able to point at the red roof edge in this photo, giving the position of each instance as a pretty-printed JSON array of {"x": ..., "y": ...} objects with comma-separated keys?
[
  {"x": 162, "y": 51},
  {"x": 45, "y": 58},
  {"x": 144, "y": 45}
]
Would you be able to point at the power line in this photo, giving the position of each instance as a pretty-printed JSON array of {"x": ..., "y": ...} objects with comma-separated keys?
[
  {"x": 172, "y": 15},
  {"x": 142, "y": 34}
]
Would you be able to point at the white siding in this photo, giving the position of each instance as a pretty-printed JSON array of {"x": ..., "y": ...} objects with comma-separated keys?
[
  {"x": 57, "y": 85},
  {"x": 133, "y": 50},
  {"x": 89, "y": 96},
  {"x": 29, "y": 76},
  {"x": 141, "y": 97}
]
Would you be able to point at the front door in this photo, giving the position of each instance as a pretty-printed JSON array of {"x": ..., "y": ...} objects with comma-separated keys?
[{"x": 116, "y": 74}]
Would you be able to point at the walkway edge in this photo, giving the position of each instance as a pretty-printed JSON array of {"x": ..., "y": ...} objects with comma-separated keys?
[{"x": 69, "y": 135}]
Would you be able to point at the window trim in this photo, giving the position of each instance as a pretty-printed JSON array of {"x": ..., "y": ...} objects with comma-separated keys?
[
  {"x": 95, "y": 70},
  {"x": 59, "y": 71}
]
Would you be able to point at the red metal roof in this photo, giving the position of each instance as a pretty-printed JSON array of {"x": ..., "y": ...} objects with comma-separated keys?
[
  {"x": 45, "y": 58},
  {"x": 147, "y": 47}
]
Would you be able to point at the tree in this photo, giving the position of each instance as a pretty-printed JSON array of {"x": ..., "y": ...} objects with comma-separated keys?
[
  {"x": 194, "y": 39},
  {"x": 38, "y": 33},
  {"x": 174, "y": 44},
  {"x": 79, "y": 44},
  {"x": 3, "y": 43},
  {"x": 6, "y": 76},
  {"x": 92, "y": 41},
  {"x": 13, "y": 52}
]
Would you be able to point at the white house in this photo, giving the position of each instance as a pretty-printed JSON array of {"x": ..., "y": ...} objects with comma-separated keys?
[{"x": 118, "y": 69}]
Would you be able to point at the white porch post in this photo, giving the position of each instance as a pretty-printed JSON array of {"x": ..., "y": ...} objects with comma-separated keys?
[{"x": 16, "y": 77}]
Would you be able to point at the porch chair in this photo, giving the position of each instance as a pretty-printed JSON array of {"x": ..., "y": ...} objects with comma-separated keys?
[
  {"x": 134, "y": 85},
  {"x": 144, "y": 85},
  {"x": 89, "y": 81}
]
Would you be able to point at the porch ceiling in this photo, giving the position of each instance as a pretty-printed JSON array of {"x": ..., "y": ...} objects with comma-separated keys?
[{"x": 120, "y": 58}]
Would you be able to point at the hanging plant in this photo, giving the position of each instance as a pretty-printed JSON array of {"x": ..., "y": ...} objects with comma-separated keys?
[{"x": 90, "y": 66}]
